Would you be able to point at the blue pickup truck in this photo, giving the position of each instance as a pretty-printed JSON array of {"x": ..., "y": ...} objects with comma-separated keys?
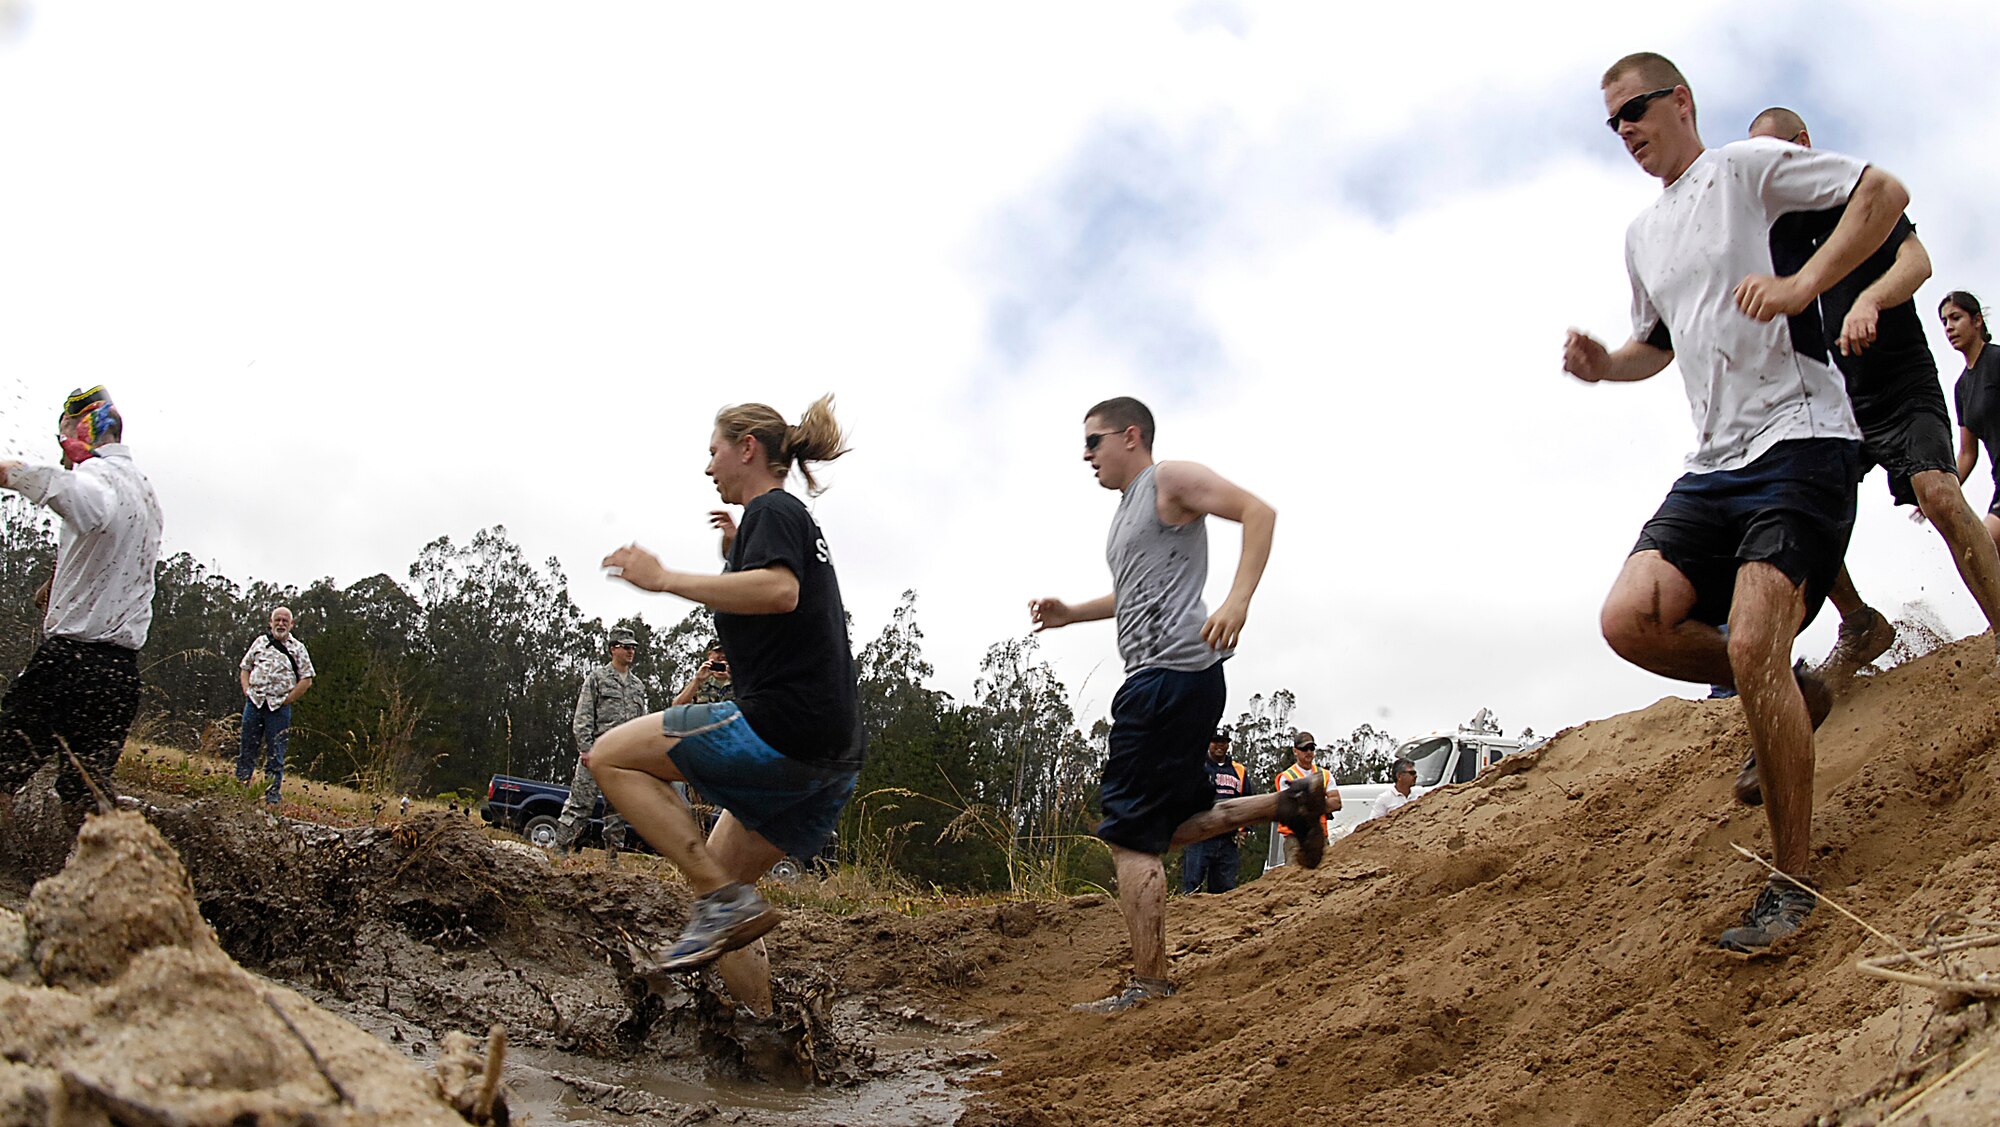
[{"x": 534, "y": 809}]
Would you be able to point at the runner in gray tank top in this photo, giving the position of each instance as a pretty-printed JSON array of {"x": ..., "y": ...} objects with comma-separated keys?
[
  {"x": 1156, "y": 792},
  {"x": 1158, "y": 570}
]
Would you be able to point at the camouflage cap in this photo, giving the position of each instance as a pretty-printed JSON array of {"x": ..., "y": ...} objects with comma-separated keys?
[{"x": 624, "y": 638}]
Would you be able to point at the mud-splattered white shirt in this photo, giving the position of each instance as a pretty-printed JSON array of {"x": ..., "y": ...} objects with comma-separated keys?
[
  {"x": 1750, "y": 384},
  {"x": 105, "y": 550}
]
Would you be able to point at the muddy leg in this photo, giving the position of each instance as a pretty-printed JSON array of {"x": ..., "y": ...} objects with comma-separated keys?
[
  {"x": 1941, "y": 499},
  {"x": 746, "y": 971},
  {"x": 1844, "y": 597},
  {"x": 1142, "y": 897},
  {"x": 1763, "y": 620},
  {"x": 631, "y": 766},
  {"x": 1645, "y": 621}
]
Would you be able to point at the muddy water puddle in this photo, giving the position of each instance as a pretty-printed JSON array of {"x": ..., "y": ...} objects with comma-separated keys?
[
  {"x": 901, "y": 1070},
  {"x": 916, "y": 1081}
]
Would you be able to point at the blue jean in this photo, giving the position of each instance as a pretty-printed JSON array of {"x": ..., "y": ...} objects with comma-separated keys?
[
  {"x": 1210, "y": 863},
  {"x": 262, "y": 725}
]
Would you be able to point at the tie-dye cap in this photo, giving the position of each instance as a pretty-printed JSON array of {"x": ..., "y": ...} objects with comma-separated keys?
[{"x": 101, "y": 417}]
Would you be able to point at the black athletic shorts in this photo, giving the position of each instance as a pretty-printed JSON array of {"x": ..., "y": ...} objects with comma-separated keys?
[
  {"x": 1792, "y": 508},
  {"x": 1908, "y": 436},
  {"x": 1161, "y": 721},
  {"x": 84, "y": 694}
]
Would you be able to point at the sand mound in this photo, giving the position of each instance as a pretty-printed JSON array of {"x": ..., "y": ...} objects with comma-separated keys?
[
  {"x": 118, "y": 1006},
  {"x": 1537, "y": 947}
]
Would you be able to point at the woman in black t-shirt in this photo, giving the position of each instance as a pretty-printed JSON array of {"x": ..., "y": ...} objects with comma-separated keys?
[
  {"x": 781, "y": 758},
  {"x": 1977, "y": 395}
]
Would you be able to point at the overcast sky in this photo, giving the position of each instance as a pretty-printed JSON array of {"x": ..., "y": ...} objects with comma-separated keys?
[{"x": 365, "y": 274}]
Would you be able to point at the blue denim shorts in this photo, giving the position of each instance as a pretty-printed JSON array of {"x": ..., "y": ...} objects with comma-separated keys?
[{"x": 793, "y": 805}]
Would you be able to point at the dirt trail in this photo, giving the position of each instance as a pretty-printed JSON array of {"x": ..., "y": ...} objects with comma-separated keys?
[{"x": 1534, "y": 949}]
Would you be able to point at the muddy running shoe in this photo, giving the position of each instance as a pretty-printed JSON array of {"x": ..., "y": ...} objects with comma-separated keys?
[
  {"x": 1780, "y": 910},
  {"x": 1863, "y": 638},
  {"x": 1819, "y": 702},
  {"x": 1139, "y": 992},
  {"x": 730, "y": 917},
  {"x": 1301, "y": 806}
]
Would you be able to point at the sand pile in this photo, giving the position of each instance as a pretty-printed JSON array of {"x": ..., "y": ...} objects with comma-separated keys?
[
  {"x": 1537, "y": 947},
  {"x": 118, "y": 1005}
]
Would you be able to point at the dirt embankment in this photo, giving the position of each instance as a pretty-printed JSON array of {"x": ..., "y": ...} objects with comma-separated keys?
[
  {"x": 1536, "y": 949},
  {"x": 1531, "y": 950}
]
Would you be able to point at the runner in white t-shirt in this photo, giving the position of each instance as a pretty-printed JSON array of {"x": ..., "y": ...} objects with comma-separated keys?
[{"x": 1753, "y": 534}]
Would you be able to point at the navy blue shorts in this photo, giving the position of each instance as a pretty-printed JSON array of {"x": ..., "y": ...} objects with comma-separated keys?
[
  {"x": 1792, "y": 508},
  {"x": 791, "y": 804},
  {"x": 1154, "y": 780}
]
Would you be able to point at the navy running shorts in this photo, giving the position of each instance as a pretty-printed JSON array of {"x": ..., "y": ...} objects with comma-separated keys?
[
  {"x": 1161, "y": 720},
  {"x": 1792, "y": 508}
]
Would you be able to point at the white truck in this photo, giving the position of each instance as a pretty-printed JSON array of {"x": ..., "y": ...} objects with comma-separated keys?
[{"x": 1442, "y": 758}]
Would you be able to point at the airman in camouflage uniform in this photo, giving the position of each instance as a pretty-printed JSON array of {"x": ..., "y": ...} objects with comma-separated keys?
[{"x": 611, "y": 694}]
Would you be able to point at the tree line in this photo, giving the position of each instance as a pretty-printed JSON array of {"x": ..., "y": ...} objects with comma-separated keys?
[{"x": 469, "y": 667}]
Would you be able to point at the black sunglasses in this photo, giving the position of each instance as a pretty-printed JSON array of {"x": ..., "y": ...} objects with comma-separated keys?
[
  {"x": 1090, "y": 441},
  {"x": 1636, "y": 106},
  {"x": 1305, "y": 747}
]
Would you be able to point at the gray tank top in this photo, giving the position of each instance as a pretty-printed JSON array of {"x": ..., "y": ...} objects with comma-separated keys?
[{"x": 1157, "y": 573}]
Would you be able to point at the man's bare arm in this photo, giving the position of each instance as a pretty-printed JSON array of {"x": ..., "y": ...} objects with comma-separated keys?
[
  {"x": 1871, "y": 213},
  {"x": 1048, "y": 614},
  {"x": 1897, "y": 285},
  {"x": 1586, "y": 358},
  {"x": 1189, "y": 490}
]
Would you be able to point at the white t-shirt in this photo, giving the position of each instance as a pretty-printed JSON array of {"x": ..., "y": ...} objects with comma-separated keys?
[
  {"x": 1390, "y": 801},
  {"x": 1750, "y": 384}
]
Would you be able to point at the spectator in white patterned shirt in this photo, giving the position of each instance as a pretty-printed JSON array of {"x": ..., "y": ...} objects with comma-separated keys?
[
  {"x": 81, "y": 687},
  {"x": 275, "y": 673}
]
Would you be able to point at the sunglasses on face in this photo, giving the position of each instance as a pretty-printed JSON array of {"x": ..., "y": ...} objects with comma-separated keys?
[
  {"x": 1636, "y": 106},
  {"x": 1090, "y": 441},
  {"x": 1305, "y": 747}
]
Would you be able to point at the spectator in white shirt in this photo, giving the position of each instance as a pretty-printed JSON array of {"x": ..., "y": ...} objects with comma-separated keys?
[
  {"x": 81, "y": 686},
  {"x": 1402, "y": 794},
  {"x": 275, "y": 673}
]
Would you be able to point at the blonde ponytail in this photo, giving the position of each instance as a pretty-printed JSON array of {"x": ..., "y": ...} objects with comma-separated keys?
[{"x": 817, "y": 438}]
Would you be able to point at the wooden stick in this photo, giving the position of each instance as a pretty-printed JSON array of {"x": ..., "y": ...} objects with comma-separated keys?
[
  {"x": 312, "y": 1052},
  {"x": 1924, "y": 1092},
  {"x": 489, "y": 1081}
]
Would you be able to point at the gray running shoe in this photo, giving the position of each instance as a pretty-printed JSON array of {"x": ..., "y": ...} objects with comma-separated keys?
[
  {"x": 1138, "y": 992},
  {"x": 1780, "y": 910},
  {"x": 1863, "y": 638},
  {"x": 1819, "y": 702},
  {"x": 730, "y": 917},
  {"x": 1301, "y": 806}
]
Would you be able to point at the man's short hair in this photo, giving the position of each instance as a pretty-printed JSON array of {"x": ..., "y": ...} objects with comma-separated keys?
[
  {"x": 1401, "y": 766},
  {"x": 1655, "y": 70},
  {"x": 1122, "y": 412},
  {"x": 1780, "y": 121}
]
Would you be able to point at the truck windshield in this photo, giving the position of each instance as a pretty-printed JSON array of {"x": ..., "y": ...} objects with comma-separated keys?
[{"x": 1431, "y": 757}]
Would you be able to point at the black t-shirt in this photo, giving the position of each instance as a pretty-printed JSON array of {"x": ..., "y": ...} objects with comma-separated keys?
[
  {"x": 794, "y": 672},
  {"x": 1225, "y": 778},
  {"x": 1900, "y": 361},
  {"x": 1977, "y": 398}
]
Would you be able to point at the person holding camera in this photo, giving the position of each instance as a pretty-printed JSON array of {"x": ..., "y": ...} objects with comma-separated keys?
[
  {"x": 711, "y": 684},
  {"x": 611, "y": 694}
]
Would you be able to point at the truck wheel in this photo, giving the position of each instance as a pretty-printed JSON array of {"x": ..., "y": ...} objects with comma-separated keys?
[
  {"x": 542, "y": 831},
  {"x": 788, "y": 870}
]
